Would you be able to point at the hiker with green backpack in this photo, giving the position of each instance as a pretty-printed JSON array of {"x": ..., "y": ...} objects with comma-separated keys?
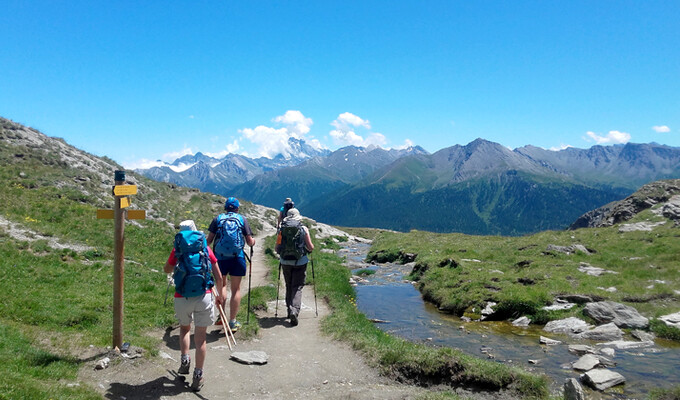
[
  {"x": 229, "y": 232},
  {"x": 195, "y": 272},
  {"x": 293, "y": 243}
]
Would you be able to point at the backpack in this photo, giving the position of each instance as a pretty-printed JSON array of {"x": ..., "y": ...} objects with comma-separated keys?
[
  {"x": 292, "y": 240},
  {"x": 229, "y": 236},
  {"x": 192, "y": 273}
]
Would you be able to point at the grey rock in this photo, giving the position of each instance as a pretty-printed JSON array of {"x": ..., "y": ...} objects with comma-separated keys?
[
  {"x": 643, "y": 336},
  {"x": 250, "y": 357},
  {"x": 621, "y": 315},
  {"x": 640, "y": 226},
  {"x": 581, "y": 349},
  {"x": 608, "y": 351},
  {"x": 603, "y": 332},
  {"x": 102, "y": 364},
  {"x": 672, "y": 319},
  {"x": 602, "y": 379},
  {"x": 559, "y": 306},
  {"x": 626, "y": 345},
  {"x": 568, "y": 325},
  {"x": 573, "y": 390},
  {"x": 576, "y": 298},
  {"x": 568, "y": 250},
  {"x": 593, "y": 271},
  {"x": 548, "y": 341},
  {"x": 521, "y": 321},
  {"x": 586, "y": 363}
]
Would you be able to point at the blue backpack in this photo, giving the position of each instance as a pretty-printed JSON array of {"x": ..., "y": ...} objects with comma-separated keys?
[
  {"x": 192, "y": 273},
  {"x": 229, "y": 236}
]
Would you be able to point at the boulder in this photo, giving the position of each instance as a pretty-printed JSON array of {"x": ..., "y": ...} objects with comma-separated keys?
[
  {"x": 580, "y": 349},
  {"x": 548, "y": 341},
  {"x": 250, "y": 357},
  {"x": 568, "y": 325},
  {"x": 621, "y": 315},
  {"x": 672, "y": 319},
  {"x": 586, "y": 363},
  {"x": 602, "y": 379},
  {"x": 573, "y": 390},
  {"x": 603, "y": 332},
  {"x": 643, "y": 336}
]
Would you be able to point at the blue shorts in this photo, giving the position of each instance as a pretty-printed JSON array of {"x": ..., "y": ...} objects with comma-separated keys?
[{"x": 233, "y": 266}]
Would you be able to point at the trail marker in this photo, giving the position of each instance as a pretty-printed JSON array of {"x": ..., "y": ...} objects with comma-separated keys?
[{"x": 119, "y": 214}]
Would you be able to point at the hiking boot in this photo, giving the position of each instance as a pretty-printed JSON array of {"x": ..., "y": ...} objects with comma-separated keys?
[
  {"x": 197, "y": 382},
  {"x": 293, "y": 319},
  {"x": 184, "y": 367},
  {"x": 234, "y": 325}
]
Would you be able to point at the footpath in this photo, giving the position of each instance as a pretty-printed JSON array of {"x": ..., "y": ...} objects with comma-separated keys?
[{"x": 302, "y": 362}]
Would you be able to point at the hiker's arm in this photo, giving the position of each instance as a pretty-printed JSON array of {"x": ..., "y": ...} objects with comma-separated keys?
[
  {"x": 308, "y": 241},
  {"x": 168, "y": 268},
  {"x": 211, "y": 237},
  {"x": 218, "y": 282},
  {"x": 250, "y": 240}
]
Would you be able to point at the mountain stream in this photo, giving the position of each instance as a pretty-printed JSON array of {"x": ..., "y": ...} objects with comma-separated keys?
[{"x": 397, "y": 307}]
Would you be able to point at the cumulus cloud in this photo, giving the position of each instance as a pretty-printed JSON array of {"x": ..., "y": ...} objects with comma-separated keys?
[
  {"x": 562, "y": 146},
  {"x": 613, "y": 137},
  {"x": 407, "y": 143},
  {"x": 345, "y": 132},
  {"x": 661, "y": 128},
  {"x": 271, "y": 141}
]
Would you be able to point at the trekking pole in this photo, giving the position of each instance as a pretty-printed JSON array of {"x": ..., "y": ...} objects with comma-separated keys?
[
  {"x": 278, "y": 285},
  {"x": 225, "y": 322},
  {"x": 316, "y": 308},
  {"x": 250, "y": 279},
  {"x": 167, "y": 290}
]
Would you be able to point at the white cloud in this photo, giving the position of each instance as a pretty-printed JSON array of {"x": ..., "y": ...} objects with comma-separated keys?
[
  {"x": 661, "y": 128},
  {"x": 144, "y": 164},
  {"x": 613, "y": 137},
  {"x": 407, "y": 143},
  {"x": 272, "y": 141},
  {"x": 344, "y": 132},
  {"x": 172, "y": 156},
  {"x": 298, "y": 124}
]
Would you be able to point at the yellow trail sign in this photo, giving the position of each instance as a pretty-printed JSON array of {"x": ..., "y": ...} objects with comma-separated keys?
[{"x": 124, "y": 190}]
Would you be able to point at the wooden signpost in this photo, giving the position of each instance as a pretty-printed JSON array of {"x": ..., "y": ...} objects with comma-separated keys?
[{"x": 119, "y": 214}]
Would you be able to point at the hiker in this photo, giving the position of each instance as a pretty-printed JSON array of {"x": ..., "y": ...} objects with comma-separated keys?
[
  {"x": 293, "y": 243},
  {"x": 287, "y": 205},
  {"x": 192, "y": 260},
  {"x": 230, "y": 232}
]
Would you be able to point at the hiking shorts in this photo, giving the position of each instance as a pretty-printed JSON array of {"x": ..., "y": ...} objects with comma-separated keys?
[
  {"x": 198, "y": 308},
  {"x": 233, "y": 266}
]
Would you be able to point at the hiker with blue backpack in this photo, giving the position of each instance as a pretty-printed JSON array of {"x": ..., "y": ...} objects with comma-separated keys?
[
  {"x": 195, "y": 272},
  {"x": 293, "y": 243},
  {"x": 229, "y": 232}
]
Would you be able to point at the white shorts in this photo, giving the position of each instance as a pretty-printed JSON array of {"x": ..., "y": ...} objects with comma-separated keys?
[{"x": 200, "y": 308}]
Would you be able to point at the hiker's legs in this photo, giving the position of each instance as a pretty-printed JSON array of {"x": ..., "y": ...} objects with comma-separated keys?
[
  {"x": 184, "y": 337},
  {"x": 235, "y": 299},
  {"x": 199, "y": 342},
  {"x": 294, "y": 287},
  {"x": 287, "y": 279}
]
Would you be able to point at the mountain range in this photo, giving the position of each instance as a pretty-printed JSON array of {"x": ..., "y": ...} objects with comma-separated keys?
[{"x": 478, "y": 188}]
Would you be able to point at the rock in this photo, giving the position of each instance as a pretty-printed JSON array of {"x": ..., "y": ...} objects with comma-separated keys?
[
  {"x": 671, "y": 210},
  {"x": 640, "y": 226},
  {"x": 521, "y": 321},
  {"x": 580, "y": 349},
  {"x": 672, "y": 319},
  {"x": 643, "y": 336},
  {"x": 593, "y": 271},
  {"x": 621, "y": 315},
  {"x": 102, "y": 364},
  {"x": 626, "y": 345},
  {"x": 568, "y": 250},
  {"x": 608, "y": 351},
  {"x": 547, "y": 341},
  {"x": 328, "y": 251},
  {"x": 586, "y": 363},
  {"x": 568, "y": 325},
  {"x": 559, "y": 306},
  {"x": 534, "y": 361},
  {"x": 603, "y": 332},
  {"x": 250, "y": 357},
  {"x": 602, "y": 379},
  {"x": 488, "y": 310},
  {"x": 573, "y": 390}
]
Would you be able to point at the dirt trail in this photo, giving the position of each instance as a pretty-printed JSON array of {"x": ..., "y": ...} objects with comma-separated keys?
[{"x": 303, "y": 363}]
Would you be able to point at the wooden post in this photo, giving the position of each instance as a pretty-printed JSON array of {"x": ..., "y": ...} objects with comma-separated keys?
[{"x": 118, "y": 263}]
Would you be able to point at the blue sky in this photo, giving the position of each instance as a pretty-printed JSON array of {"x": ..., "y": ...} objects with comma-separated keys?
[{"x": 142, "y": 81}]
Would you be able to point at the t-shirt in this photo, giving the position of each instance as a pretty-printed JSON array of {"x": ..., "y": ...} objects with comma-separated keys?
[
  {"x": 172, "y": 260},
  {"x": 245, "y": 230}
]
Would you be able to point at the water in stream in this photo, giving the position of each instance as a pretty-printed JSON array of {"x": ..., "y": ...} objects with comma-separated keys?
[{"x": 385, "y": 296}]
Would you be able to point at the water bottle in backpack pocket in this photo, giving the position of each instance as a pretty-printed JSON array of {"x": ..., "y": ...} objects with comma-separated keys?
[
  {"x": 229, "y": 240},
  {"x": 192, "y": 273}
]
